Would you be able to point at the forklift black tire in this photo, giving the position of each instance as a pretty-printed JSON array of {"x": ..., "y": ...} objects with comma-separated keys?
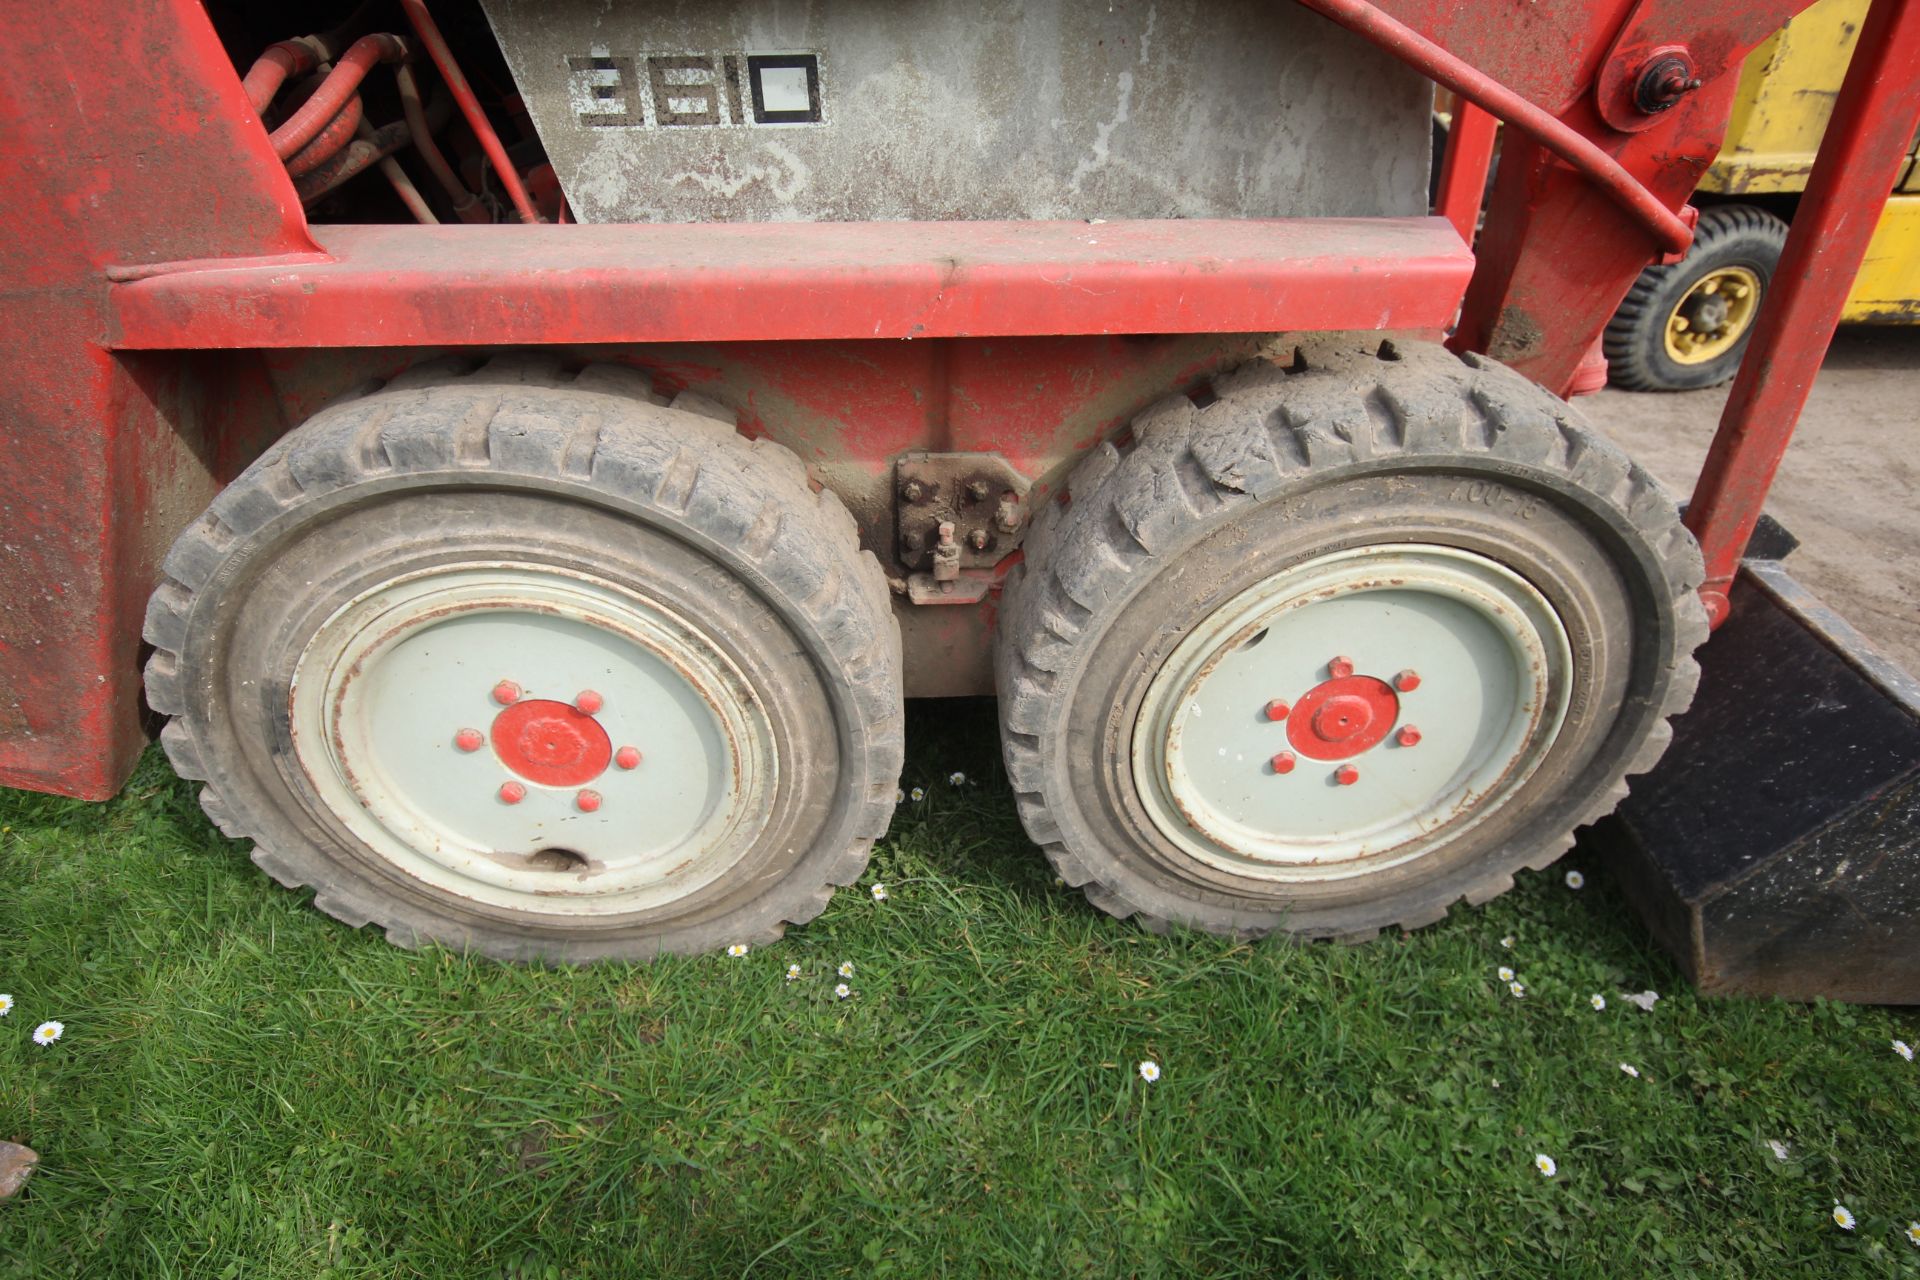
[
  {"x": 1358, "y": 638},
  {"x": 1680, "y": 327},
  {"x": 524, "y": 661}
]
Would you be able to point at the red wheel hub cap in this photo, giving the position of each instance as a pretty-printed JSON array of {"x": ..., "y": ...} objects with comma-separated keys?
[
  {"x": 551, "y": 743},
  {"x": 1340, "y": 718}
]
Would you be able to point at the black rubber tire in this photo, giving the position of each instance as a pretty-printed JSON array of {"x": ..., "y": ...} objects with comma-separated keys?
[
  {"x": 518, "y": 456},
  {"x": 1729, "y": 235},
  {"x": 1351, "y": 442}
]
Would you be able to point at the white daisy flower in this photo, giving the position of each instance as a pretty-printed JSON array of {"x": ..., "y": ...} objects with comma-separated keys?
[
  {"x": 846, "y": 969},
  {"x": 1778, "y": 1148},
  {"x": 1630, "y": 1069},
  {"x": 1913, "y": 1234},
  {"x": 1643, "y": 1001},
  {"x": 1149, "y": 1071},
  {"x": 919, "y": 794},
  {"x": 1506, "y": 974},
  {"x": 899, "y": 796},
  {"x": 879, "y": 893},
  {"x": 1842, "y": 1217},
  {"x": 1518, "y": 989},
  {"x": 48, "y": 1032},
  {"x": 737, "y": 950},
  {"x": 841, "y": 991},
  {"x": 1508, "y": 942},
  {"x": 1494, "y": 1083},
  {"x": 1904, "y": 1049},
  {"x": 956, "y": 778},
  {"x": 1575, "y": 880},
  {"x": 6, "y": 1004},
  {"x": 793, "y": 973},
  {"x": 1597, "y": 1000},
  {"x": 1544, "y": 1163}
]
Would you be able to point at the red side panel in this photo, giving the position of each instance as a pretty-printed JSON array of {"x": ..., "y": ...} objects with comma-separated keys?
[{"x": 131, "y": 143}]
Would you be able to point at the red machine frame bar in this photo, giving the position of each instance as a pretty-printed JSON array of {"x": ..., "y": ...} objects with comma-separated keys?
[
  {"x": 1866, "y": 142},
  {"x": 425, "y": 286}
]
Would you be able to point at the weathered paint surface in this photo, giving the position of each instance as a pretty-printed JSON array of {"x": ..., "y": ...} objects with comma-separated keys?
[
  {"x": 124, "y": 136},
  {"x": 393, "y": 285},
  {"x": 996, "y": 109}
]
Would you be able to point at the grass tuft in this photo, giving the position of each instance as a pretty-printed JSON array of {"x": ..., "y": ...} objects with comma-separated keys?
[{"x": 247, "y": 1088}]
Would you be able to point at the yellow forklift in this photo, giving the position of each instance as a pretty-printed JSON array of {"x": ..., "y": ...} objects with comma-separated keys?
[{"x": 1684, "y": 326}]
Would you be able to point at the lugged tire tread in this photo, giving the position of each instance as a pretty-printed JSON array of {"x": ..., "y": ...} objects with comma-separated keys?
[
  {"x": 1263, "y": 429},
  {"x": 473, "y": 414}
]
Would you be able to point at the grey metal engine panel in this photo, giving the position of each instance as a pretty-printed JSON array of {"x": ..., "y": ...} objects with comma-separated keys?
[{"x": 995, "y": 109}]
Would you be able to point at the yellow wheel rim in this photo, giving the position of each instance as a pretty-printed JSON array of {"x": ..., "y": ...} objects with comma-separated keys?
[{"x": 1714, "y": 316}]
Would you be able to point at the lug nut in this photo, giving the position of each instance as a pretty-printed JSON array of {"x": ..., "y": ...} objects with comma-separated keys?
[
  {"x": 506, "y": 693},
  {"x": 469, "y": 739},
  {"x": 913, "y": 491},
  {"x": 512, "y": 793},
  {"x": 978, "y": 490},
  {"x": 627, "y": 757},
  {"x": 977, "y": 539},
  {"x": 587, "y": 801},
  {"x": 1340, "y": 668},
  {"x": 1277, "y": 709},
  {"x": 1282, "y": 763},
  {"x": 588, "y": 701},
  {"x": 1407, "y": 681},
  {"x": 1346, "y": 775},
  {"x": 1408, "y": 737}
]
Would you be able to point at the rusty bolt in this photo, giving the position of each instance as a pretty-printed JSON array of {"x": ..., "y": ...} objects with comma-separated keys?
[
  {"x": 512, "y": 793},
  {"x": 506, "y": 693},
  {"x": 588, "y": 701},
  {"x": 1006, "y": 516},
  {"x": 1282, "y": 763},
  {"x": 1663, "y": 82},
  {"x": 911, "y": 540},
  {"x": 977, "y": 539},
  {"x": 469, "y": 739},
  {"x": 977, "y": 490},
  {"x": 1346, "y": 775},
  {"x": 587, "y": 801},
  {"x": 627, "y": 757},
  {"x": 946, "y": 555},
  {"x": 1340, "y": 668},
  {"x": 1408, "y": 736},
  {"x": 1407, "y": 681},
  {"x": 1278, "y": 709},
  {"x": 913, "y": 491}
]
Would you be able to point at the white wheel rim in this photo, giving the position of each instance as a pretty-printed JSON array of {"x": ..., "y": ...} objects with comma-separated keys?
[
  {"x": 546, "y": 812},
  {"x": 1244, "y": 792}
]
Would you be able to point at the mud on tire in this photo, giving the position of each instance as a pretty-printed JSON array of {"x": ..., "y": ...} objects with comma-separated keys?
[
  {"x": 1343, "y": 442},
  {"x": 586, "y": 472}
]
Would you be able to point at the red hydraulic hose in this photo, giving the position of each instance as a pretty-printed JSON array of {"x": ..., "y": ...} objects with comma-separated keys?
[
  {"x": 327, "y": 143},
  {"x": 429, "y": 33},
  {"x": 332, "y": 95},
  {"x": 1428, "y": 58},
  {"x": 271, "y": 69}
]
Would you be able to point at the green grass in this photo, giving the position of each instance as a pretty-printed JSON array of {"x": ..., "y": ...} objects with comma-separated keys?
[{"x": 246, "y": 1088}]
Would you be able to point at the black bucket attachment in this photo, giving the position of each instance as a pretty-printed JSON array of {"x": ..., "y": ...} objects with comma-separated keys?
[{"x": 1775, "y": 849}]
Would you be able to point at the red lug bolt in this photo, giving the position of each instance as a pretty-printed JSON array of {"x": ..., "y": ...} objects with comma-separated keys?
[
  {"x": 512, "y": 793},
  {"x": 1346, "y": 775},
  {"x": 1277, "y": 709},
  {"x": 506, "y": 693},
  {"x": 1407, "y": 681},
  {"x": 588, "y": 701},
  {"x": 1282, "y": 763},
  {"x": 627, "y": 757},
  {"x": 587, "y": 801},
  {"x": 1408, "y": 736},
  {"x": 469, "y": 739},
  {"x": 1340, "y": 668}
]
